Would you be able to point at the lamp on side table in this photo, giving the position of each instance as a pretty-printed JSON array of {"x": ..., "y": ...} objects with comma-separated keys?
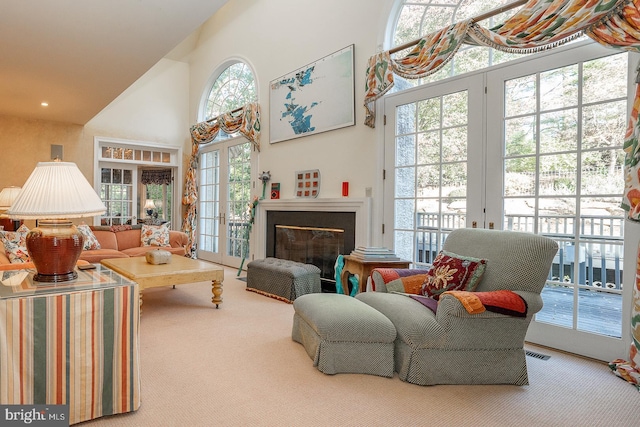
[
  {"x": 55, "y": 192},
  {"x": 7, "y": 196}
]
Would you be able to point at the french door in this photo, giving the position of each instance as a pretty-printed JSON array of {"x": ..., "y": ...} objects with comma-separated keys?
[
  {"x": 224, "y": 188},
  {"x": 118, "y": 191},
  {"x": 543, "y": 154},
  {"x": 433, "y": 163}
]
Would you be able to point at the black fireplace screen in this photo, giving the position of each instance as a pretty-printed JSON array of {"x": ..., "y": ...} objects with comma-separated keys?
[
  {"x": 301, "y": 236},
  {"x": 310, "y": 245}
]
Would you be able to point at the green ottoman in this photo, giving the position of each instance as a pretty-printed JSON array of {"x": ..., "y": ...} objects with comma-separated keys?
[
  {"x": 282, "y": 279},
  {"x": 344, "y": 335}
]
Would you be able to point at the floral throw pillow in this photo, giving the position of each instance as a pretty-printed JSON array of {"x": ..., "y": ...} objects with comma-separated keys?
[
  {"x": 155, "y": 235},
  {"x": 15, "y": 245},
  {"x": 90, "y": 240},
  {"x": 452, "y": 272}
]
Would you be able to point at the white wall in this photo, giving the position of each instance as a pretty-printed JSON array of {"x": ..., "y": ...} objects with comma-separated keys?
[
  {"x": 276, "y": 37},
  {"x": 154, "y": 109}
]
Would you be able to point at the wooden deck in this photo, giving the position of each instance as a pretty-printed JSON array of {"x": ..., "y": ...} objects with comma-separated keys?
[{"x": 598, "y": 312}]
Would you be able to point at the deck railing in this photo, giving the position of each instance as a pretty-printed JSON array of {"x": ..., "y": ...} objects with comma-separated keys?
[{"x": 599, "y": 257}]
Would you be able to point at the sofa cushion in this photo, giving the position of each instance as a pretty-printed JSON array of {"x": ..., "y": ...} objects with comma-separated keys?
[
  {"x": 96, "y": 255},
  {"x": 106, "y": 238},
  {"x": 129, "y": 238},
  {"x": 154, "y": 235},
  {"x": 90, "y": 240},
  {"x": 142, "y": 250},
  {"x": 15, "y": 246},
  {"x": 452, "y": 272}
]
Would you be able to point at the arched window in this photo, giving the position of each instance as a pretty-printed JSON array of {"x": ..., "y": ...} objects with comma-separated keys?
[
  {"x": 413, "y": 20},
  {"x": 232, "y": 88},
  {"x": 224, "y": 176}
]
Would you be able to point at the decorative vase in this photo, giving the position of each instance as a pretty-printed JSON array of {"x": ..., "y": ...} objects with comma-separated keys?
[{"x": 54, "y": 246}]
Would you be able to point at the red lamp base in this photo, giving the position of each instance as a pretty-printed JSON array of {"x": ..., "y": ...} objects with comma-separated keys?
[{"x": 54, "y": 247}]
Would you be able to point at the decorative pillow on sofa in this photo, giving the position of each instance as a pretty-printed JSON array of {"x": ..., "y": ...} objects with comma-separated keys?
[
  {"x": 90, "y": 240},
  {"x": 155, "y": 235},
  {"x": 410, "y": 279},
  {"x": 452, "y": 272},
  {"x": 15, "y": 245}
]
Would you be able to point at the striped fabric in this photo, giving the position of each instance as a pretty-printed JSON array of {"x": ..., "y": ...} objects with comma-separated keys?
[{"x": 79, "y": 348}]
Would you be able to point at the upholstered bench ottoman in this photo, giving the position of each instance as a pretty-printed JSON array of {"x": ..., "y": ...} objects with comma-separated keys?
[
  {"x": 282, "y": 279},
  {"x": 344, "y": 335}
]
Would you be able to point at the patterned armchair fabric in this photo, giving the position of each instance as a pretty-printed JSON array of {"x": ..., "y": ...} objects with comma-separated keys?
[{"x": 452, "y": 346}]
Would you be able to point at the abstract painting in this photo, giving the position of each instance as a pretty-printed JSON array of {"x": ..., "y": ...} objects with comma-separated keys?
[{"x": 315, "y": 98}]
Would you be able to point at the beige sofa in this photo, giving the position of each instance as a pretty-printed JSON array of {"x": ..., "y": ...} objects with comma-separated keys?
[{"x": 117, "y": 242}]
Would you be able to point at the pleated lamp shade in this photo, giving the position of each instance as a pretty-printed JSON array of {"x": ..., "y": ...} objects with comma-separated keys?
[
  {"x": 7, "y": 196},
  {"x": 56, "y": 190}
]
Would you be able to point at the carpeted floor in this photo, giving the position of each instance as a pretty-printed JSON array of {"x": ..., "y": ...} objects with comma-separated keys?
[{"x": 237, "y": 366}]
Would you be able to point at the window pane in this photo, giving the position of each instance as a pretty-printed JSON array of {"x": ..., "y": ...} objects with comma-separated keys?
[
  {"x": 520, "y": 96},
  {"x": 559, "y": 88},
  {"x": 559, "y": 131},
  {"x": 405, "y": 150},
  {"x": 596, "y": 88},
  {"x": 428, "y": 147},
  {"x": 604, "y": 125},
  {"x": 520, "y": 136}
]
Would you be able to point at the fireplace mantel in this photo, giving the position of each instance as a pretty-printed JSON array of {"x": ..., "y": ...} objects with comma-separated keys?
[{"x": 360, "y": 206}]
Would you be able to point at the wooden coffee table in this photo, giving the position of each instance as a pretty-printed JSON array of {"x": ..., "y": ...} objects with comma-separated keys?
[{"x": 179, "y": 271}]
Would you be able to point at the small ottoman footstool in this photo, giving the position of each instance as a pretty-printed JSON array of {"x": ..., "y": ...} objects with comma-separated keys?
[
  {"x": 282, "y": 279},
  {"x": 344, "y": 335}
]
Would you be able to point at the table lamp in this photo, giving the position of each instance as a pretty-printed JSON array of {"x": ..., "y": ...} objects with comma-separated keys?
[
  {"x": 149, "y": 206},
  {"x": 55, "y": 192},
  {"x": 7, "y": 196}
]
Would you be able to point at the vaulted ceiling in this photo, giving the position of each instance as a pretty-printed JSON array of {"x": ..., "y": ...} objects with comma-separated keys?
[{"x": 79, "y": 55}]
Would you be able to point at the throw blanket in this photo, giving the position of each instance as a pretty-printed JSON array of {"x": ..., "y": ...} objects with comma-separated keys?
[{"x": 503, "y": 301}]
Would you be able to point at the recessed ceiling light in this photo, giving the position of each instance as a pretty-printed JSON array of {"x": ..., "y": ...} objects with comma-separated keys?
[{"x": 44, "y": 104}]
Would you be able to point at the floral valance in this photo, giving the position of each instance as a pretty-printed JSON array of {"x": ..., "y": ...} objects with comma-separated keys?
[
  {"x": 539, "y": 25},
  {"x": 156, "y": 176},
  {"x": 245, "y": 120}
]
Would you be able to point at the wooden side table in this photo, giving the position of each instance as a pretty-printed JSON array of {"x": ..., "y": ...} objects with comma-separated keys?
[{"x": 363, "y": 269}]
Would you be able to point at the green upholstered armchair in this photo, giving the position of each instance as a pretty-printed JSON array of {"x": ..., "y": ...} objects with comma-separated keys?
[{"x": 452, "y": 346}]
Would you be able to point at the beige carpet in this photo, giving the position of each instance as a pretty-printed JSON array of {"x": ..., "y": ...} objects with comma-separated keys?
[{"x": 237, "y": 366}]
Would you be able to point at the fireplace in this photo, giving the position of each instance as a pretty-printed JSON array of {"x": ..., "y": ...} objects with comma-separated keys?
[
  {"x": 311, "y": 238},
  {"x": 312, "y": 231}
]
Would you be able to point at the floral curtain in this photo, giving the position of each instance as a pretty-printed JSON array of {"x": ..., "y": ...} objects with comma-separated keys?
[
  {"x": 246, "y": 121},
  {"x": 539, "y": 25},
  {"x": 431, "y": 53}
]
